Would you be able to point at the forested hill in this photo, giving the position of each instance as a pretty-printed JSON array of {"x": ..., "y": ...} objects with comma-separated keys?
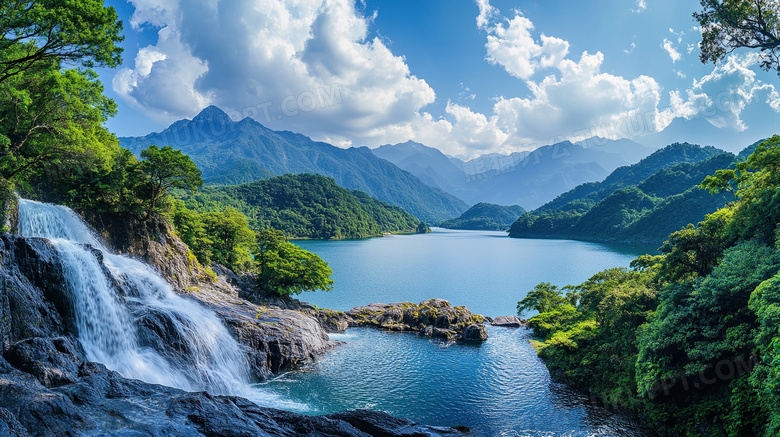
[
  {"x": 231, "y": 152},
  {"x": 644, "y": 202},
  {"x": 306, "y": 206},
  {"x": 690, "y": 338},
  {"x": 486, "y": 217}
]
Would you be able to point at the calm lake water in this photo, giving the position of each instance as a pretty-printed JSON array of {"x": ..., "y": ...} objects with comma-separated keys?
[
  {"x": 498, "y": 388},
  {"x": 487, "y": 272}
]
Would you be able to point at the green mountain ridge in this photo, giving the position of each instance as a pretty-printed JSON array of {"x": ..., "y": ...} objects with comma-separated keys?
[
  {"x": 306, "y": 206},
  {"x": 642, "y": 203},
  {"x": 485, "y": 217},
  {"x": 230, "y": 152}
]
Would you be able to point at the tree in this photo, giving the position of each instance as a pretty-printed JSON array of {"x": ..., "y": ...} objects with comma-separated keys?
[
  {"x": 543, "y": 298},
  {"x": 48, "y": 114},
  {"x": 167, "y": 168},
  {"x": 285, "y": 269},
  {"x": 35, "y": 31},
  {"x": 731, "y": 24},
  {"x": 230, "y": 239}
]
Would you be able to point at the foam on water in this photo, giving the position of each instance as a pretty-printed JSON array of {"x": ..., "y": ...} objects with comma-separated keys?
[{"x": 112, "y": 295}]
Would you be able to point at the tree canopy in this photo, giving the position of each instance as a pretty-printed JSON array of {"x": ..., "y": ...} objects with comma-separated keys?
[
  {"x": 728, "y": 25},
  {"x": 689, "y": 338},
  {"x": 285, "y": 269},
  {"x": 167, "y": 168},
  {"x": 81, "y": 32}
]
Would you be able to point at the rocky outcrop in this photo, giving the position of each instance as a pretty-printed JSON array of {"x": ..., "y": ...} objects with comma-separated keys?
[
  {"x": 333, "y": 321},
  {"x": 93, "y": 400},
  {"x": 508, "y": 322},
  {"x": 275, "y": 339},
  {"x": 48, "y": 388},
  {"x": 155, "y": 243},
  {"x": 32, "y": 300},
  {"x": 433, "y": 318}
]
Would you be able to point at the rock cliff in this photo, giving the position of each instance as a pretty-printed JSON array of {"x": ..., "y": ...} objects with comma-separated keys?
[{"x": 48, "y": 388}]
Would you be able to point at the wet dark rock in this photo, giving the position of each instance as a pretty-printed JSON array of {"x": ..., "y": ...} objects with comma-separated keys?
[
  {"x": 102, "y": 402},
  {"x": 508, "y": 321},
  {"x": 475, "y": 333},
  {"x": 48, "y": 389},
  {"x": 333, "y": 321},
  {"x": 33, "y": 302},
  {"x": 434, "y": 318}
]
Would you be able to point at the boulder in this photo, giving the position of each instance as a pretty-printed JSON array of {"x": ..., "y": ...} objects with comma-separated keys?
[
  {"x": 333, "y": 321},
  {"x": 475, "y": 333},
  {"x": 508, "y": 321},
  {"x": 434, "y": 318}
]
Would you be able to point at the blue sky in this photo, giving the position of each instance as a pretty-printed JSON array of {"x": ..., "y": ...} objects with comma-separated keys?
[{"x": 466, "y": 77}]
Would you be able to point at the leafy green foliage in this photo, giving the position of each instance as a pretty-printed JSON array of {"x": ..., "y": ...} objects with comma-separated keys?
[
  {"x": 728, "y": 25},
  {"x": 41, "y": 31},
  {"x": 543, "y": 298},
  {"x": 285, "y": 269},
  {"x": 167, "y": 168},
  {"x": 640, "y": 203},
  {"x": 690, "y": 338},
  {"x": 485, "y": 217},
  {"x": 307, "y": 206}
]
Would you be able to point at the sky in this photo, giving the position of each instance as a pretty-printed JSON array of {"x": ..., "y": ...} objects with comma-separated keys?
[{"x": 467, "y": 77}]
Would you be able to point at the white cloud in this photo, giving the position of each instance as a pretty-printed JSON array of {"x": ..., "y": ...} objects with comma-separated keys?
[
  {"x": 680, "y": 74},
  {"x": 669, "y": 47},
  {"x": 641, "y": 5},
  {"x": 250, "y": 56},
  {"x": 513, "y": 47},
  {"x": 721, "y": 96},
  {"x": 630, "y": 49},
  {"x": 486, "y": 13}
]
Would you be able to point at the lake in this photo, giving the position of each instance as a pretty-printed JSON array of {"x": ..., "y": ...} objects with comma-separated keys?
[
  {"x": 487, "y": 272},
  {"x": 498, "y": 388}
]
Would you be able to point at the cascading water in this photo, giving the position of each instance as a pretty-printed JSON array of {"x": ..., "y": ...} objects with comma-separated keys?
[{"x": 207, "y": 357}]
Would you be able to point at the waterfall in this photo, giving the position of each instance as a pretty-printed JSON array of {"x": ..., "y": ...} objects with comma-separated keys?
[{"x": 112, "y": 294}]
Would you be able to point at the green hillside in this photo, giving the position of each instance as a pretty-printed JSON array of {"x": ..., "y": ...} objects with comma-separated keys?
[
  {"x": 230, "y": 152},
  {"x": 306, "y": 206},
  {"x": 485, "y": 217},
  {"x": 636, "y": 203}
]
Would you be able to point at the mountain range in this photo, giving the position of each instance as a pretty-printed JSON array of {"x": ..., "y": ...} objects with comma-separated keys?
[
  {"x": 644, "y": 202},
  {"x": 528, "y": 179},
  {"x": 230, "y": 152}
]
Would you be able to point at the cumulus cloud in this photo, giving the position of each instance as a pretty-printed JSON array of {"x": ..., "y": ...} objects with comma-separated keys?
[
  {"x": 573, "y": 95},
  {"x": 669, "y": 47},
  {"x": 306, "y": 66},
  {"x": 721, "y": 96},
  {"x": 486, "y": 13},
  {"x": 512, "y": 46}
]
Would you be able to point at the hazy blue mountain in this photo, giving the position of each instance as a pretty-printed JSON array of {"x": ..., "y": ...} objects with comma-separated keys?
[
  {"x": 528, "y": 179},
  {"x": 429, "y": 164},
  {"x": 486, "y": 217},
  {"x": 644, "y": 202},
  {"x": 245, "y": 151}
]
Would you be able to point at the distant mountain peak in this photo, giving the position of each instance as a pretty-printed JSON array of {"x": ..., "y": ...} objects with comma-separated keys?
[{"x": 213, "y": 114}]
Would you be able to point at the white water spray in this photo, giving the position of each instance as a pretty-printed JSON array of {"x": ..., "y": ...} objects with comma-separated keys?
[{"x": 206, "y": 358}]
